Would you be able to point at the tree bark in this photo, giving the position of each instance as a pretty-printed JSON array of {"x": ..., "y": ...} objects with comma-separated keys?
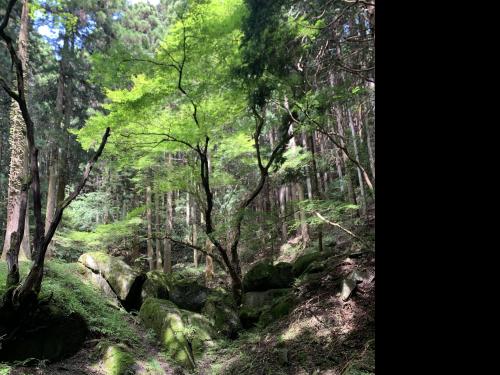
[
  {"x": 149, "y": 219},
  {"x": 18, "y": 145},
  {"x": 314, "y": 184},
  {"x": 169, "y": 224},
  {"x": 356, "y": 155},
  {"x": 159, "y": 251}
]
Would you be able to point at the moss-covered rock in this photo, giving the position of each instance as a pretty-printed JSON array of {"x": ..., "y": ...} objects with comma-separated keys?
[
  {"x": 221, "y": 311},
  {"x": 302, "y": 262},
  {"x": 254, "y": 304},
  {"x": 184, "y": 335},
  {"x": 125, "y": 281},
  {"x": 249, "y": 316},
  {"x": 50, "y": 334},
  {"x": 280, "y": 308},
  {"x": 316, "y": 266},
  {"x": 264, "y": 276},
  {"x": 157, "y": 285},
  {"x": 189, "y": 295},
  {"x": 258, "y": 300},
  {"x": 117, "y": 359}
]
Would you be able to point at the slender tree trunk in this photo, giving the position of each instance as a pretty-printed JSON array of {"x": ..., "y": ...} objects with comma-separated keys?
[
  {"x": 209, "y": 263},
  {"x": 350, "y": 189},
  {"x": 18, "y": 146},
  {"x": 314, "y": 184},
  {"x": 169, "y": 224},
  {"x": 194, "y": 237},
  {"x": 149, "y": 218},
  {"x": 282, "y": 200},
  {"x": 356, "y": 155},
  {"x": 159, "y": 251}
]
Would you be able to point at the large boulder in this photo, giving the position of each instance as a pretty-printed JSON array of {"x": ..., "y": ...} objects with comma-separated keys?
[
  {"x": 221, "y": 310},
  {"x": 157, "y": 285},
  {"x": 189, "y": 295},
  {"x": 123, "y": 279},
  {"x": 254, "y": 304},
  {"x": 184, "y": 335},
  {"x": 264, "y": 276},
  {"x": 302, "y": 262},
  {"x": 116, "y": 358},
  {"x": 50, "y": 334}
]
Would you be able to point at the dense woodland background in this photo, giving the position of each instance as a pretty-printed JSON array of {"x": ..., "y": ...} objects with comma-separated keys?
[{"x": 241, "y": 130}]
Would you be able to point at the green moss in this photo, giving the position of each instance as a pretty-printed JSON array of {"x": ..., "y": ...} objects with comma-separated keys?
[
  {"x": 264, "y": 276},
  {"x": 117, "y": 359},
  {"x": 282, "y": 307},
  {"x": 66, "y": 285},
  {"x": 166, "y": 320},
  {"x": 302, "y": 262}
]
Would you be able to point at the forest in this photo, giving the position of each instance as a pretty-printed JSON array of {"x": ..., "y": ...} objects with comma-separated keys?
[{"x": 187, "y": 187}]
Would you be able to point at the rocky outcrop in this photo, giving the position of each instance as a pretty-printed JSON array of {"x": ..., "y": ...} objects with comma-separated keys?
[
  {"x": 189, "y": 295},
  {"x": 50, "y": 335},
  {"x": 184, "y": 335},
  {"x": 264, "y": 276},
  {"x": 125, "y": 282}
]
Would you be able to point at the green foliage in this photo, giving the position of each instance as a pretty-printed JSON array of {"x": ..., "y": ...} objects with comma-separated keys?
[{"x": 66, "y": 286}]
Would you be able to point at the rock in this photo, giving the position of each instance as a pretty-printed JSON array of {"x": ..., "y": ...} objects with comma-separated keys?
[
  {"x": 48, "y": 335},
  {"x": 189, "y": 295},
  {"x": 221, "y": 312},
  {"x": 280, "y": 308},
  {"x": 315, "y": 267},
  {"x": 125, "y": 282},
  {"x": 254, "y": 304},
  {"x": 264, "y": 276},
  {"x": 102, "y": 284},
  {"x": 184, "y": 335},
  {"x": 302, "y": 262},
  {"x": 348, "y": 286},
  {"x": 249, "y": 317},
  {"x": 257, "y": 300},
  {"x": 157, "y": 285},
  {"x": 117, "y": 359}
]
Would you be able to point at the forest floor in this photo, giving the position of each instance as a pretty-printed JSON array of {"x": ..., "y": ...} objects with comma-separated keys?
[{"x": 323, "y": 335}]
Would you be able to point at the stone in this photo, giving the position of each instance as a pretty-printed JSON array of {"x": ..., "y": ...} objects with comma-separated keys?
[
  {"x": 189, "y": 295},
  {"x": 264, "y": 276},
  {"x": 157, "y": 285},
  {"x": 125, "y": 282},
  {"x": 184, "y": 335},
  {"x": 117, "y": 359},
  {"x": 223, "y": 315},
  {"x": 49, "y": 335}
]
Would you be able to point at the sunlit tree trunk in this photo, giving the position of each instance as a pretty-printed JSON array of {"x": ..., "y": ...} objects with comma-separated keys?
[{"x": 18, "y": 149}]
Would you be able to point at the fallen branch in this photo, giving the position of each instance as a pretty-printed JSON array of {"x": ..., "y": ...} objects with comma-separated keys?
[{"x": 341, "y": 227}]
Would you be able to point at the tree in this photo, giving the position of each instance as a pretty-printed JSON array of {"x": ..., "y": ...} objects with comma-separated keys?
[
  {"x": 24, "y": 294},
  {"x": 18, "y": 164}
]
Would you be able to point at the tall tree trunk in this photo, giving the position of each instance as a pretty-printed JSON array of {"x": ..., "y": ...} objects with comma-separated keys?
[
  {"x": 18, "y": 147},
  {"x": 159, "y": 251},
  {"x": 314, "y": 184},
  {"x": 356, "y": 155},
  {"x": 348, "y": 179},
  {"x": 194, "y": 231},
  {"x": 209, "y": 262},
  {"x": 149, "y": 218},
  {"x": 169, "y": 224},
  {"x": 282, "y": 200}
]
